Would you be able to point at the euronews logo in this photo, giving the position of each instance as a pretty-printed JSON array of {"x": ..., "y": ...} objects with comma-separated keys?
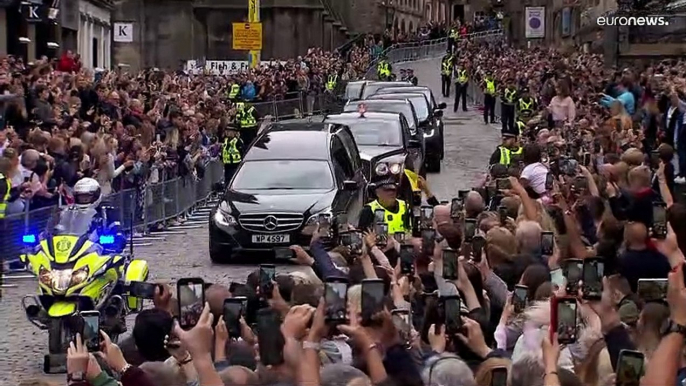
[{"x": 633, "y": 21}]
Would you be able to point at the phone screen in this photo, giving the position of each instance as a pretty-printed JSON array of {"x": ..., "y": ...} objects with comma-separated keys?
[
  {"x": 379, "y": 215},
  {"x": 503, "y": 184},
  {"x": 450, "y": 261},
  {"x": 407, "y": 260},
  {"x": 499, "y": 377},
  {"x": 502, "y": 213},
  {"x": 580, "y": 184},
  {"x": 403, "y": 322},
  {"x": 283, "y": 253},
  {"x": 549, "y": 181},
  {"x": 91, "y": 330},
  {"x": 372, "y": 298},
  {"x": 191, "y": 298},
  {"x": 566, "y": 320},
  {"x": 356, "y": 243},
  {"x": 399, "y": 237},
  {"x": 381, "y": 231},
  {"x": 469, "y": 229},
  {"x": 630, "y": 368},
  {"x": 232, "y": 311},
  {"x": 571, "y": 269},
  {"x": 455, "y": 207},
  {"x": 659, "y": 221},
  {"x": 547, "y": 243},
  {"x": 655, "y": 159},
  {"x": 428, "y": 238},
  {"x": 651, "y": 290},
  {"x": 335, "y": 297},
  {"x": 427, "y": 214},
  {"x": 270, "y": 337},
  {"x": 520, "y": 298},
  {"x": 478, "y": 245},
  {"x": 593, "y": 271},
  {"x": 324, "y": 221},
  {"x": 141, "y": 289},
  {"x": 453, "y": 319},
  {"x": 267, "y": 276}
]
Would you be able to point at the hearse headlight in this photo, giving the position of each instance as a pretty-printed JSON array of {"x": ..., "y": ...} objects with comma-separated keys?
[{"x": 224, "y": 219}]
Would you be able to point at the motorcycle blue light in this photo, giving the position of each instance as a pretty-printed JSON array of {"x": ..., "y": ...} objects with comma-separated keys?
[
  {"x": 106, "y": 239},
  {"x": 28, "y": 239}
]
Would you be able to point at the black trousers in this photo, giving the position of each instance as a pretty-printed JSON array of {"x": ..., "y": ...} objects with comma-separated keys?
[
  {"x": 460, "y": 93},
  {"x": 445, "y": 85},
  {"x": 508, "y": 118},
  {"x": 451, "y": 44},
  {"x": 489, "y": 108},
  {"x": 229, "y": 171},
  {"x": 248, "y": 135}
]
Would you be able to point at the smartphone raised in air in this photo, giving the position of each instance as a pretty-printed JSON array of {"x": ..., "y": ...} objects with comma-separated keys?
[
  {"x": 456, "y": 208},
  {"x": 450, "y": 264},
  {"x": 629, "y": 368},
  {"x": 654, "y": 159},
  {"x": 379, "y": 216},
  {"x": 381, "y": 230},
  {"x": 563, "y": 319},
  {"x": 91, "y": 330},
  {"x": 572, "y": 271},
  {"x": 324, "y": 221},
  {"x": 469, "y": 229},
  {"x": 547, "y": 243},
  {"x": 402, "y": 319},
  {"x": 372, "y": 298},
  {"x": 428, "y": 241},
  {"x": 270, "y": 337},
  {"x": 406, "y": 259},
  {"x": 652, "y": 290},
  {"x": 499, "y": 376},
  {"x": 336, "y": 299},
  {"x": 592, "y": 276},
  {"x": 232, "y": 312},
  {"x": 520, "y": 297},
  {"x": 549, "y": 182},
  {"x": 190, "y": 294},
  {"x": 503, "y": 184},
  {"x": 503, "y": 214},
  {"x": 399, "y": 237},
  {"x": 142, "y": 290},
  {"x": 283, "y": 253},
  {"x": 451, "y": 307},
  {"x": 427, "y": 216},
  {"x": 478, "y": 245},
  {"x": 659, "y": 228},
  {"x": 267, "y": 277}
]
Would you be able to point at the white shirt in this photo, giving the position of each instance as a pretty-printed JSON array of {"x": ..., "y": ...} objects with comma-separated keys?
[{"x": 536, "y": 175}]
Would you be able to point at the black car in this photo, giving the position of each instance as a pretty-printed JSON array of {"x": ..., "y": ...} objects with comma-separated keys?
[
  {"x": 292, "y": 174},
  {"x": 353, "y": 90},
  {"x": 395, "y": 105},
  {"x": 371, "y": 87},
  {"x": 384, "y": 141}
]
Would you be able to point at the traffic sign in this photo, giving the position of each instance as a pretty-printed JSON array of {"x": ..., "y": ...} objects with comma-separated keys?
[{"x": 247, "y": 36}]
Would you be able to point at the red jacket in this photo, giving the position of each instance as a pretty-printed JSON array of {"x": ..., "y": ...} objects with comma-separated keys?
[{"x": 67, "y": 64}]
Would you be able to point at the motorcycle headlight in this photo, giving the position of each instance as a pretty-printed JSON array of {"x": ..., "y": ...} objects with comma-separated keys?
[
  {"x": 396, "y": 168},
  {"x": 224, "y": 219},
  {"x": 381, "y": 169},
  {"x": 58, "y": 280},
  {"x": 79, "y": 276}
]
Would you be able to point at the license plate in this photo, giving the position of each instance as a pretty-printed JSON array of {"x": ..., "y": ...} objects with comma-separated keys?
[{"x": 271, "y": 239}]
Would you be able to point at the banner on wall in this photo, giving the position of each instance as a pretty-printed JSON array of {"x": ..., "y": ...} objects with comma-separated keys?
[
  {"x": 222, "y": 67},
  {"x": 535, "y": 22}
]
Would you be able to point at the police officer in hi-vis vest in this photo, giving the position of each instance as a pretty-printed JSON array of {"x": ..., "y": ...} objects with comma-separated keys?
[
  {"x": 232, "y": 152},
  {"x": 508, "y": 99},
  {"x": 234, "y": 92},
  {"x": 489, "y": 89},
  {"x": 247, "y": 118},
  {"x": 526, "y": 105},
  {"x": 461, "y": 84},
  {"x": 447, "y": 64},
  {"x": 396, "y": 211},
  {"x": 507, "y": 149}
]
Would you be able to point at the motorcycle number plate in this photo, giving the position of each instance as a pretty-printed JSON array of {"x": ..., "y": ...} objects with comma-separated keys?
[{"x": 271, "y": 239}]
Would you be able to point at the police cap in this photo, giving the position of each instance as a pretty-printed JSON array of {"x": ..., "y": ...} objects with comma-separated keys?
[
  {"x": 524, "y": 89},
  {"x": 507, "y": 134},
  {"x": 385, "y": 181}
]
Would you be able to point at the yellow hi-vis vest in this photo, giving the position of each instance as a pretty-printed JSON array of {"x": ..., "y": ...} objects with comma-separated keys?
[
  {"x": 521, "y": 126},
  {"x": 510, "y": 95},
  {"x": 4, "y": 198},
  {"x": 414, "y": 180},
  {"x": 462, "y": 77},
  {"x": 247, "y": 119},
  {"x": 454, "y": 34},
  {"x": 395, "y": 221},
  {"x": 331, "y": 83},
  {"x": 235, "y": 90},
  {"x": 230, "y": 153},
  {"x": 447, "y": 66},
  {"x": 504, "y": 155},
  {"x": 382, "y": 69},
  {"x": 526, "y": 108},
  {"x": 490, "y": 86}
]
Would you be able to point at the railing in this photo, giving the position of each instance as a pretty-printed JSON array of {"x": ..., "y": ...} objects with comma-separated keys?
[
  {"x": 427, "y": 49},
  {"x": 150, "y": 204}
]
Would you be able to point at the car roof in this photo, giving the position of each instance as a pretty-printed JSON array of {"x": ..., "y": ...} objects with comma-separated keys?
[
  {"x": 400, "y": 96},
  {"x": 286, "y": 142},
  {"x": 384, "y": 82},
  {"x": 369, "y": 115},
  {"x": 355, "y": 82},
  {"x": 301, "y": 125},
  {"x": 380, "y": 101}
]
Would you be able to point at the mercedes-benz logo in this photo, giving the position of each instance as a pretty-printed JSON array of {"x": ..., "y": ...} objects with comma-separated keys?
[{"x": 270, "y": 223}]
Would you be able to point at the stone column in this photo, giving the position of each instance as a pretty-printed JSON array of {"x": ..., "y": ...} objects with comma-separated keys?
[
  {"x": 90, "y": 36},
  {"x": 101, "y": 50},
  {"x": 31, "y": 47},
  {"x": 3, "y": 30}
]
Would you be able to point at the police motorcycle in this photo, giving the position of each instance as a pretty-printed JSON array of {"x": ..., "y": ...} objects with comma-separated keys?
[{"x": 81, "y": 265}]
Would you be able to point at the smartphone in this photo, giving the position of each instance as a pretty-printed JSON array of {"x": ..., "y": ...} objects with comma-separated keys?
[
  {"x": 544, "y": 157},
  {"x": 579, "y": 184},
  {"x": 267, "y": 277},
  {"x": 499, "y": 376},
  {"x": 402, "y": 319},
  {"x": 549, "y": 181},
  {"x": 399, "y": 237},
  {"x": 520, "y": 297},
  {"x": 27, "y": 179},
  {"x": 157, "y": 138},
  {"x": 456, "y": 207},
  {"x": 629, "y": 368},
  {"x": 284, "y": 253},
  {"x": 428, "y": 241},
  {"x": 478, "y": 245},
  {"x": 462, "y": 194},
  {"x": 372, "y": 298},
  {"x": 452, "y": 320},
  {"x": 324, "y": 221},
  {"x": 379, "y": 215},
  {"x": 652, "y": 290},
  {"x": 91, "y": 330},
  {"x": 659, "y": 228},
  {"x": 417, "y": 198},
  {"x": 427, "y": 215},
  {"x": 450, "y": 264},
  {"x": 407, "y": 260},
  {"x": 654, "y": 159},
  {"x": 592, "y": 275},
  {"x": 142, "y": 290},
  {"x": 232, "y": 312},
  {"x": 572, "y": 269},
  {"x": 586, "y": 159},
  {"x": 381, "y": 230},
  {"x": 191, "y": 297},
  {"x": 547, "y": 243},
  {"x": 270, "y": 337},
  {"x": 502, "y": 213},
  {"x": 336, "y": 299},
  {"x": 469, "y": 229},
  {"x": 356, "y": 243},
  {"x": 503, "y": 184},
  {"x": 563, "y": 319}
]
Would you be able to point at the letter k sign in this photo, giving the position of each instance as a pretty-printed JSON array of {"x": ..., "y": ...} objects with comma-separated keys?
[
  {"x": 33, "y": 12},
  {"x": 123, "y": 31}
]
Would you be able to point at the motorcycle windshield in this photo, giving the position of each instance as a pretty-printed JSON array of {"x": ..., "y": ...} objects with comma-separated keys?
[{"x": 74, "y": 222}]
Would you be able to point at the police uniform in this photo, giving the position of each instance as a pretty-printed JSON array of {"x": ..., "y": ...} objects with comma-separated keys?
[
  {"x": 503, "y": 154},
  {"x": 489, "y": 88},
  {"x": 461, "y": 83},
  {"x": 383, "y": 70},
  {"x": 232, "y": 154},
  {"x": 246, "y": 117},
  {"x": 234, "y": 92},
  {"x": 507, "y": 109},
  {"x": 446, "y": 73},
  {"x": 526, "y": 106},
  {"x": 5, "y": 189},
  {"x": 453, "y": 37},
  {"x": 411, "y": 78},
  {"x": 331, "y": 82},
  {"x": 403, "y": 75}
]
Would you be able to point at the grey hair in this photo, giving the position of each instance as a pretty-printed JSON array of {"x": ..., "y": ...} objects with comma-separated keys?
[
  {"x": 338, "y": 374},
  {"x": 528, "y": 236},
  {"x": 528, "y": 371},
  {"x": 446, "y": 370},
  {"x": 29, "y": 157}
]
